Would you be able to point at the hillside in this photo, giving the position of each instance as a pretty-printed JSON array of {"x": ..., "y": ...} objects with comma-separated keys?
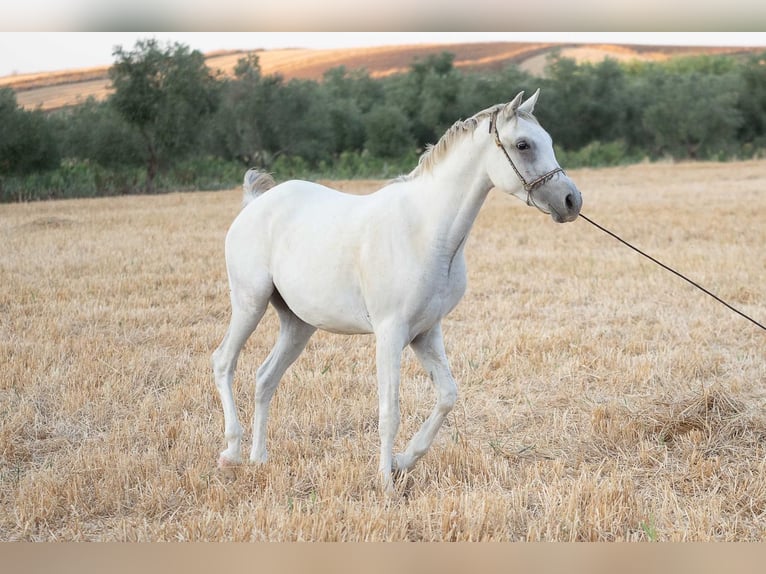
[{"x": 55, "y": 90}]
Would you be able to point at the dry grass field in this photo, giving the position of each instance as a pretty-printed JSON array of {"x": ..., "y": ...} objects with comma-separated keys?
[{"x": 601, "y": 398}]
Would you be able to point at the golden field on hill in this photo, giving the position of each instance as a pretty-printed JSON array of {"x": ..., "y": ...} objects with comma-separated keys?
[
  {"x": 601, "y": 398},
  {"x": 55, "y": 90}
]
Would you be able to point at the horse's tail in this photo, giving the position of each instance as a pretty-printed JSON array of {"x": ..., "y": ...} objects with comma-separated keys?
[{"x": 255, "y": 184}]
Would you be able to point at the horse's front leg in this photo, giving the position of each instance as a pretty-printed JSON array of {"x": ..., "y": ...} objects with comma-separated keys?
[
  {"x": 390, "y": 343},
  {"x": 429, "y": 349}
]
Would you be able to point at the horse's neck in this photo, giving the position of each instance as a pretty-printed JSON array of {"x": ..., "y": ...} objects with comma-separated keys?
[{"x": 452, "y": 194}]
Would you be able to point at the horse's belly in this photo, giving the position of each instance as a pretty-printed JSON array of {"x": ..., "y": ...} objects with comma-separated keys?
[
  {"x": 326, "y": 298},
  {"x": 343, "y": 315},
  {"x": 342, "y": 324}
]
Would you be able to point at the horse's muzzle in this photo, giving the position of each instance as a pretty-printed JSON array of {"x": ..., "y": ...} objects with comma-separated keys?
[{"x": 566, "y": 206}]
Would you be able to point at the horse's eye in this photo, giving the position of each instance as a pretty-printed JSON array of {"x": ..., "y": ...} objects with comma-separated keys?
[{"x": 522, "y": 145}]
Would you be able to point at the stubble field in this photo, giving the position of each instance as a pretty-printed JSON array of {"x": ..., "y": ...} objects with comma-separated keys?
[{"x": 601, "y": 398}]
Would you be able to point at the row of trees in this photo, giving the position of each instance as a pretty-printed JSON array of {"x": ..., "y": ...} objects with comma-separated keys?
[{"x": 171, "y": 120}]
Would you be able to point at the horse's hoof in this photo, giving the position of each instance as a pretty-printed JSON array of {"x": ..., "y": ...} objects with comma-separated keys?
[{"x": 225, "y": 462}]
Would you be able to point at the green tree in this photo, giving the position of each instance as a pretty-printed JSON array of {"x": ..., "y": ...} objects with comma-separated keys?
[
  {"x": 26, "y": 140},
  {"x": 165, "y": 93},
  {"x": 388, "y": 134},
  {"x": 480, "y": 90},
  {"x": 301, "y": 117},
  {"x": 350, "y": 95},
  {"x": 240, "y": 128},
  {"x": 752, "y": 101},
  {"x": 585, "y": 102},
  {"x": 263, "y": 118},
  {"x": 691, "y": 115},
  {"x": 428, "y": 95},
  {"x": 95, "y": 131}
]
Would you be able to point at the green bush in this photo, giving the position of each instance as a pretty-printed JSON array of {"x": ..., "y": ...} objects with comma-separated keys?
[
  {"x": 206, "y": 173},
  {"x": 77, "y": 178},
  {"x": 73, "y": 178}
]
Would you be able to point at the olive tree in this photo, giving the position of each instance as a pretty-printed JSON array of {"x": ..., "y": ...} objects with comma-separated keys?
[{"x": 165, "y": 92}]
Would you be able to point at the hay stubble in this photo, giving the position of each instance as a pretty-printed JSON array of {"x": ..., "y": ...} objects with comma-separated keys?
[{"x": 600, "y": 397}]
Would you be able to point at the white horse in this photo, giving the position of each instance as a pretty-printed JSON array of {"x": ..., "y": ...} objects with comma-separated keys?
[{"x": 389, "y": 263}]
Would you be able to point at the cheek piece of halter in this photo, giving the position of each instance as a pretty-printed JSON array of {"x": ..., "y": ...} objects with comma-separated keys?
[{"x": 528, "y": 186}]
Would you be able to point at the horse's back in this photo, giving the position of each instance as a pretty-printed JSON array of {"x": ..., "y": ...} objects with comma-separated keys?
[{"x": 299, "y": 203}]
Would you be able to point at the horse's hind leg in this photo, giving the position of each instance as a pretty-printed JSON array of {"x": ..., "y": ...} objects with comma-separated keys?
[
  {"x": 429, "y": 349},
  {"x": 293, "y": 336},
  {"x": 245, "y": 315}
]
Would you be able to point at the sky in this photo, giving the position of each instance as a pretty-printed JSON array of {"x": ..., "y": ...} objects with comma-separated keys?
[{"x": 28, "y": 52}]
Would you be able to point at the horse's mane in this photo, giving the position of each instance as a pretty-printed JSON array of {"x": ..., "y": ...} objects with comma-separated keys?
[{"x": 435, "y": 152}]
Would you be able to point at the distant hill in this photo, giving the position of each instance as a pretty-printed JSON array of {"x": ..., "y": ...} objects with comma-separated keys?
[{"x": 55, "y": 90}]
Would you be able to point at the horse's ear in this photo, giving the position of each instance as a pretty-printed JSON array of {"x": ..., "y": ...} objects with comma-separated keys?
[
  {"x": 529, "y": 106},
  {"x": 511, "y": 107}
]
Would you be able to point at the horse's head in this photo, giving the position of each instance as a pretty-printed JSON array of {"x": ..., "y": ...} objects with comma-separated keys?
[{"x": 524, "y": 163}]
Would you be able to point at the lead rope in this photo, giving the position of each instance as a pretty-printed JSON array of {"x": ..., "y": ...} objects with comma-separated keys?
[
  {"x": 528, "y": 187},
  {"x": 673, "y": 271}
]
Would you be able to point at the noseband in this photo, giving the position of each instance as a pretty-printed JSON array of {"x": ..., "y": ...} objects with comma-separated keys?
[{"x": 528, "y": 186}]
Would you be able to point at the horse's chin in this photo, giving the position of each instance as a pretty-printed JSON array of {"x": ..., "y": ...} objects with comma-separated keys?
[{"x": 558, "y": 218}]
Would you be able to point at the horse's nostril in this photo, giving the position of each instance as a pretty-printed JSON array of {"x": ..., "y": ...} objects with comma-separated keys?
[{"x": 569, "y": 202}]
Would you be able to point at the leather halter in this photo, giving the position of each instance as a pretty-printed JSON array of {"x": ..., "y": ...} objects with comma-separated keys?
[{"x": 528, "y": 186}]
